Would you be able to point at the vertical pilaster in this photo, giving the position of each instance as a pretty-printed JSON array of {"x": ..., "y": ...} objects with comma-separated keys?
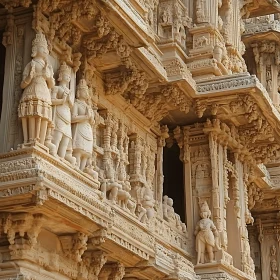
[
  {"x": 189, "y": 203},
  {"x": 213, "y": 145},
  {"x": 159, "y": 164},
  {"x": 8, "y": 89}
]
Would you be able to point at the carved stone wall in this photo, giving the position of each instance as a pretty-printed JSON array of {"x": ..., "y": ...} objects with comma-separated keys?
[{"x": 93, "y": 91}]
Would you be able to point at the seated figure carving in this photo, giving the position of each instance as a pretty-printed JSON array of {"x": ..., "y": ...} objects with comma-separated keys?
[
  {"x": 90, "y": 169},
  {"x": 169, "y": 214},
  {"x": 124, "y": 192},
  {"x": 145, "y": 202},
  {"x": 109, "y": 186}
]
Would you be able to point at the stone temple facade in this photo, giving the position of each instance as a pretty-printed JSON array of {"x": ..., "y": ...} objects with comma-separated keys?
[{"x": 140, "y": 139}]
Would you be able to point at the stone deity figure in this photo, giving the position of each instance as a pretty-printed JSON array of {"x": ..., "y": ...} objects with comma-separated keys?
[
  {"x": 148, "y": 202},
  {"x": 145, "y": 199},
  {"x": 62, "y": 102},
  {"x": 82, "y": 120},
  {"x": 35, "y": 109},
  {"x": 124, "y": 192},
  {"x": 169, "y": 214},
  {"x": 168, "y": 210},
  {"x": 110, "y": 185},
  {"x": 206, "y": 234},
  {"x": 91, "y": 169},
  {"x": 273, "y": 250}
]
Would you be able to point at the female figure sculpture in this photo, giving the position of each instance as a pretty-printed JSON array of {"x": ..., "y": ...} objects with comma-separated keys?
[
  {"x": 62, "y": 102},
  {"x": 35, "y": 109},
  {"x": 205, "y": 232},
  {"x": 82, "y": 120},
  {"x": 169, "y": 214}
]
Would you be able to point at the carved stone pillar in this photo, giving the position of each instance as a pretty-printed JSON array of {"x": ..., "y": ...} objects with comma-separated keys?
[
  {"x": 107, "y": 132},
  {"x": 14, "y": 43},
  {"x": 159, "y": 179},
  {"x": 187, "y": 183},
  {"x": 213, "y": 145},
  {"x": 138, "y": 156}
]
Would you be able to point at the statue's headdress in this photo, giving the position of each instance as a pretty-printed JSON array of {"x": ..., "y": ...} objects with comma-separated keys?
[
  {"x": 205, "y": 208},
  {"x": 64, "y": 68},
  {"x": 82, "y": 84},
  {"x": 40, "y": 40}
]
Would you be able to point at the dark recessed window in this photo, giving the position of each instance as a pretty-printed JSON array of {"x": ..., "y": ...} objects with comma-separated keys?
[{"x": 173, "y": 185}]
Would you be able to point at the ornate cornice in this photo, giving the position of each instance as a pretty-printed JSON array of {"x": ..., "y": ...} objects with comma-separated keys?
[
  {"x": 254, "y": 27},
  {"x": 229, "y": 83}
]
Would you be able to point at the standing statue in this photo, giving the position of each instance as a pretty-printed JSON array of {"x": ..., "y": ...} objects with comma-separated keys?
[
  {"x": 62, "y": 102},
  {"x": 206, "y": 234},
  {"x": 35, "y": 109},
  {"x": 82, "y": 120}
]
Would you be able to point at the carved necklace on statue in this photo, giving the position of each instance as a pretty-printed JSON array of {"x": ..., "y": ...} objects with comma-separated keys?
[
  {"x": 65, "y": 89},
  {"x": 204, "y": 224},
  {"x": 82, "y": 103},
  {"x": 40, "y": 61}
]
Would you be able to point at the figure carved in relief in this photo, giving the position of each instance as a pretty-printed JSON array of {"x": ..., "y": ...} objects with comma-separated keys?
[
  {"x": 206, "y": 235},
  {"x": 165, "y": 17},
  {"x": 273, "y": 270},
  {"x": 82, "y": 120},
  {"x": 35, "y": 109},
  {"x": 109, "y": 185},
  {"x": 274, "y": 276},
  {"x": 169, "y": 214},
  {"x": 273, "y": 250},
  {"x": 145, "y": 199},
  {"x": 200, "y": 11},
  {"x": 123, "y": 192},
  {"x": 91, "y": 169},
  {"x": 201, "y": 42},
  {"x": 140, "y": 211},
  {"x": 79, "y": 246},
  {"x": 62, "y": 102},
  {"x": 218, "y": 53}
]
